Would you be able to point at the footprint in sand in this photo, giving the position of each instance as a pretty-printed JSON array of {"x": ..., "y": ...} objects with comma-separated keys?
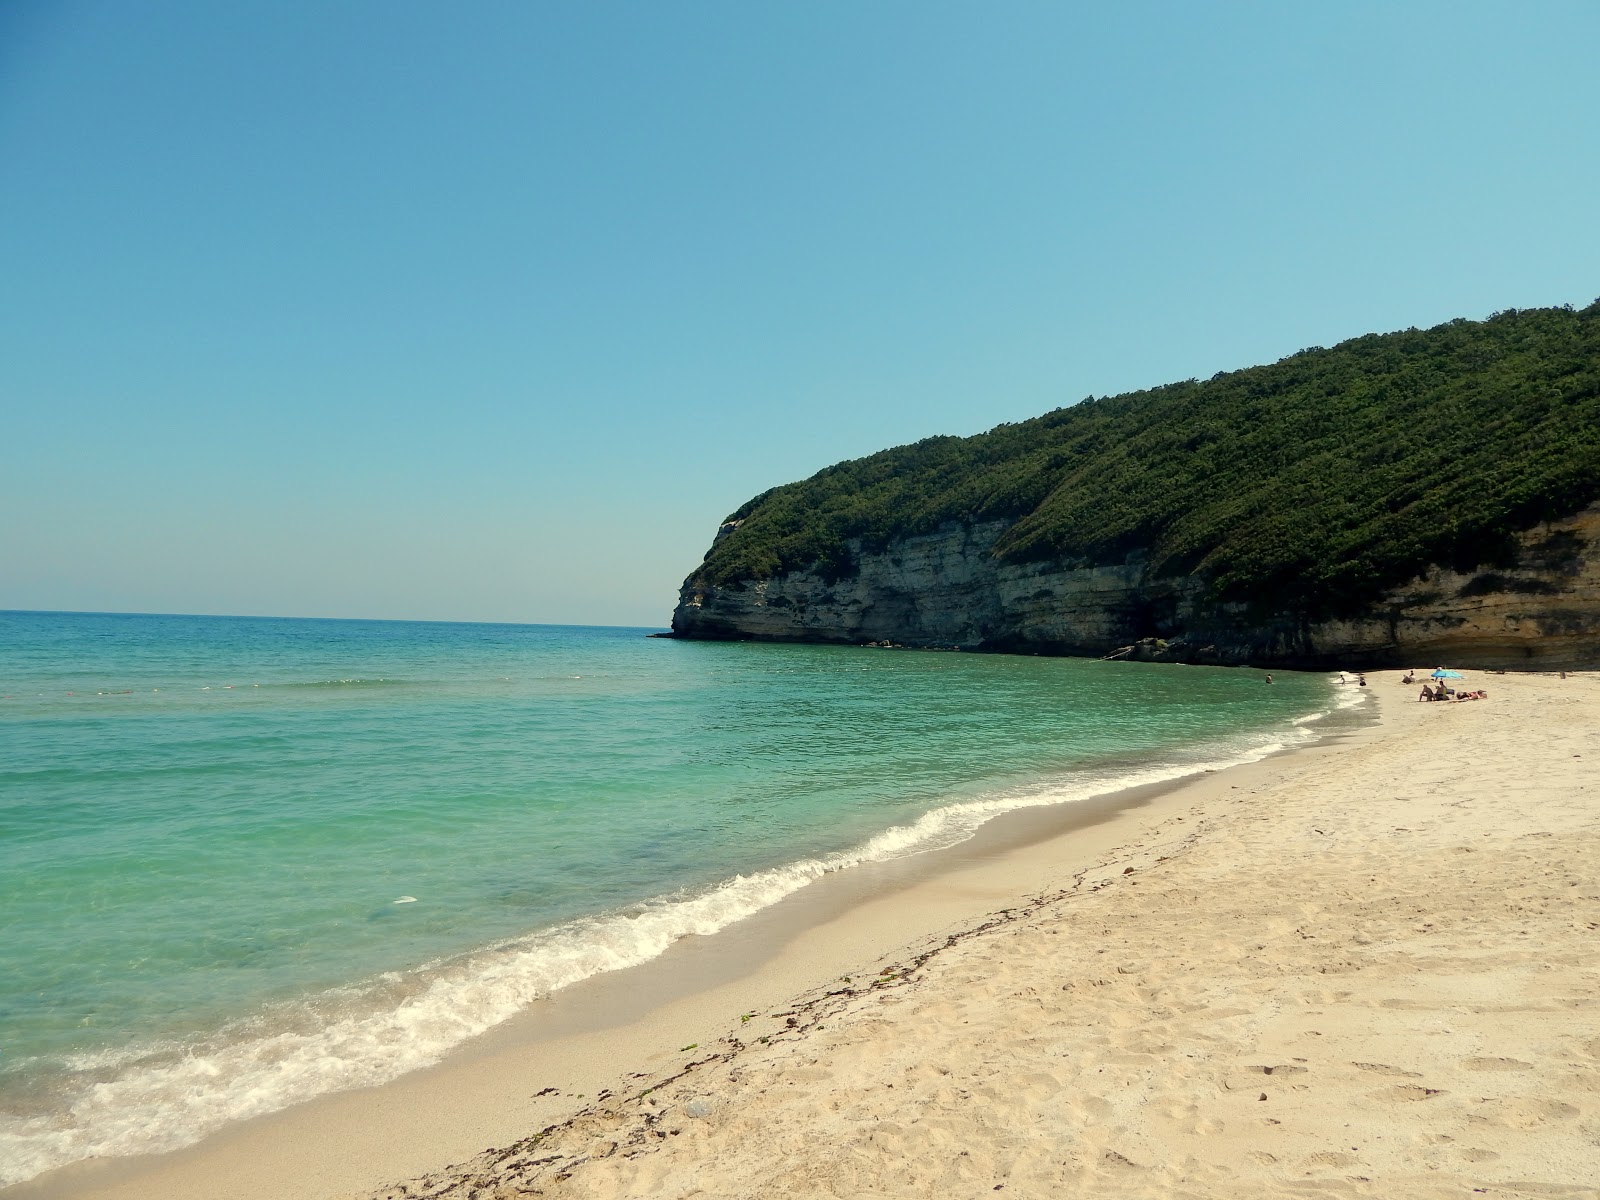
[
  {"x": 1386, "y": 1069},
  {"x": 1524, "y": 1112},
  {"x": 1331, "y": 1158},
  {"x": 1496, "y": 1064},
  {"x": 1406, "y": 1092}
]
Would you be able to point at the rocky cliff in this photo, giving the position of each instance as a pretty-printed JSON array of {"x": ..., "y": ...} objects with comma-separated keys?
[
  {"x": 1540, "y": 609},
  {"x": 1394, "y": 499}
]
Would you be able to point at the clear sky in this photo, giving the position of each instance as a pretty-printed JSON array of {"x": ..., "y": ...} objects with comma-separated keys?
[{"x": 492, "y": 311}]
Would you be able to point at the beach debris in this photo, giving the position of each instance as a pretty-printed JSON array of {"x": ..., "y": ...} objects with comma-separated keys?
[{"x": 699, "y": 1108}]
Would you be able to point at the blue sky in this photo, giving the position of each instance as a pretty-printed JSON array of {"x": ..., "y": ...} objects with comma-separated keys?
[{"x": 492, "y": 311}]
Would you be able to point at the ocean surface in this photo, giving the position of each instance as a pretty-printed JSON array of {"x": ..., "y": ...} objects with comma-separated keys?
[{"x": 244, "y": 861}]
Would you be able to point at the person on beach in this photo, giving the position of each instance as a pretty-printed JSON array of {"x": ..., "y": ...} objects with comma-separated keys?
[
  {"x": 1269, "y": 678},
  {"x": 1409, "y": 677}
]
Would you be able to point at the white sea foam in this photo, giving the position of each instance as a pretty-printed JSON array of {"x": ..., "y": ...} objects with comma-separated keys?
[
  {"x": 155, "y": 1098},
  {"x": 1344, "y": 698}
]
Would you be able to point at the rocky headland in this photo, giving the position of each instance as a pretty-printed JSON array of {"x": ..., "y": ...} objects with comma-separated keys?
[
  {"x": 947, "y": 590},
  {"x": 1397, "y": 500}
]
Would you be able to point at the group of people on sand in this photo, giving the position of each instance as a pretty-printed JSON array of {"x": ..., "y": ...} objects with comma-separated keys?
[{"x": 1440, "y": 690}]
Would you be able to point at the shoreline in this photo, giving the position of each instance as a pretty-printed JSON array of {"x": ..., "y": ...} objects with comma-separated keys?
[
  {"x": 824, "y": 928},
  {"x": 1279, "y": 988}
]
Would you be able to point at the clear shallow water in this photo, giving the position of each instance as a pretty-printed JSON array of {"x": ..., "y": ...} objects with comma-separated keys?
[{"x": 244, "y": 861}]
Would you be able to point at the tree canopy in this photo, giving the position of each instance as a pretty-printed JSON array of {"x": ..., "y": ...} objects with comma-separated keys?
[{"x": 1313, "y": 483}]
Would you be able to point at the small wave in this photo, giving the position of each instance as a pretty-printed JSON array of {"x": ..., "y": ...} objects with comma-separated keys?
[
  {"x": 161, "y": 1097},
  {"x": 1351, "y": 697},
  {"x": 1345, "y": 696}
]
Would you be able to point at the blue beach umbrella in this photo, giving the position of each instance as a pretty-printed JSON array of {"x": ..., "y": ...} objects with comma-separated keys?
[{"x": 1441, "y": 673}]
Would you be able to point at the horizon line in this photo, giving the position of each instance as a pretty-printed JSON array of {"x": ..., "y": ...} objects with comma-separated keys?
[{"x": 74, "y": 612}]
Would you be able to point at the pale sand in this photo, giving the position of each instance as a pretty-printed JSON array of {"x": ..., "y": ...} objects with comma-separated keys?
[{"x": 1370, "y": 968}]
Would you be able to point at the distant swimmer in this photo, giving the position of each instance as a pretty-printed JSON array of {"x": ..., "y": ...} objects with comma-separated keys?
[
  {"x": 1269, "y": 678},
  {"x": 404, "y": 900}
]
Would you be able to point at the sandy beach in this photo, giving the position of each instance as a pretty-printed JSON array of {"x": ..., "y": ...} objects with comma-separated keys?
[{"x": 1371, "y": 967}]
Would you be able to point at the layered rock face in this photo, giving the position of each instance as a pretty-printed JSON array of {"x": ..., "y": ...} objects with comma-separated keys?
[{"x": 947, "y": 589}]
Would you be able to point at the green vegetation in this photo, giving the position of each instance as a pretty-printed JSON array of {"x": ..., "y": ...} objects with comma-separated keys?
[{"x": 1311, "y": 484}]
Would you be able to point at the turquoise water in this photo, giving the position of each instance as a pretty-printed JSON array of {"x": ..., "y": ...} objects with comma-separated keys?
[{"x": 244, "y": 861}]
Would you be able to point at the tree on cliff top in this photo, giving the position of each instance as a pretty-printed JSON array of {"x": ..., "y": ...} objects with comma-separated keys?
[{"x": 1313, "y": 483}]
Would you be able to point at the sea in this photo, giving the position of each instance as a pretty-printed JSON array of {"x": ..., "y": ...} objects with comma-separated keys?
[{"x": 246, "y": 861}]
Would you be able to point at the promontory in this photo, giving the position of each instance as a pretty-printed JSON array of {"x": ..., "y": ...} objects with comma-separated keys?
[{"x": 1395, "y": 499}]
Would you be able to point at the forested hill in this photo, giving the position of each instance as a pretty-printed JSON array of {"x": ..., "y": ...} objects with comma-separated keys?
[{"x": 1312, "y": 484}]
